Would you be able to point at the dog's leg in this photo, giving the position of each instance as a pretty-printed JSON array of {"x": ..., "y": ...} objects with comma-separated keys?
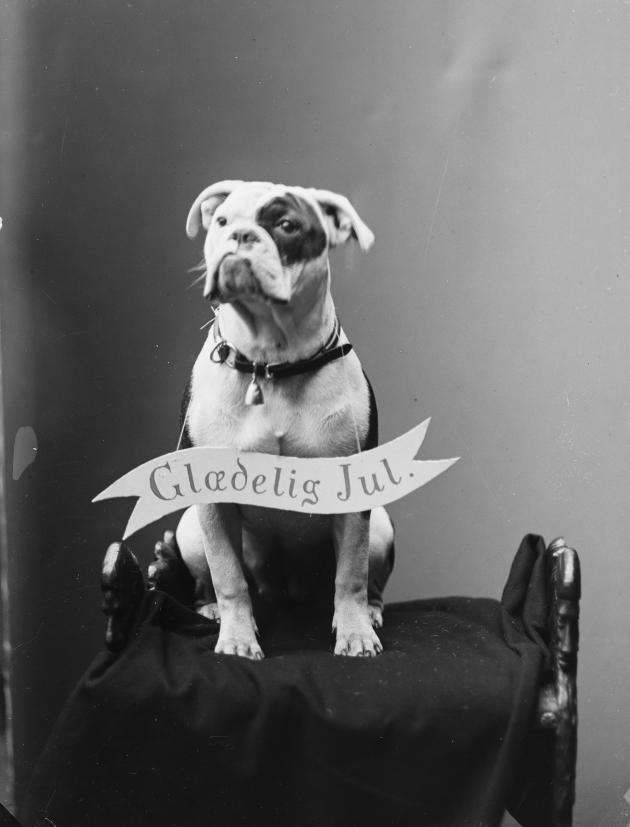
[
  {"x": 381, "y": 562},
  {"x": 351, "y": 620},
  {"x": 221, "y": 529},
  {"x": 190, "y": 541}
]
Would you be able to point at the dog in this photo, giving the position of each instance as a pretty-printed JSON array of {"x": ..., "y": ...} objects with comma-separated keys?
[{"x": 278, "y": 375}]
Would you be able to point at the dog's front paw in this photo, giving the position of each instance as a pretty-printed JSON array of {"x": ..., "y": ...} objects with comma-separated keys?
[
  {"x": 209, "y": 610},
  {"x": 355, "y": 636},
  {"x": 242, "y": 644},
  {"x": 238, "y": 633},
  {"x": 358, "y": 645}
]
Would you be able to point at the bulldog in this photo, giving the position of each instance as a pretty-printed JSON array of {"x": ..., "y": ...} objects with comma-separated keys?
[{"x": 277, "y": 374}]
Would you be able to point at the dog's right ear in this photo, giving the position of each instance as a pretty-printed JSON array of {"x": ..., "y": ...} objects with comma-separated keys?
[{"x": 206, "y": 203}]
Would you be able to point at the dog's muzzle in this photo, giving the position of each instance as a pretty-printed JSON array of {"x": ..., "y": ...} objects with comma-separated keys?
[
  {"x": 235, "y": 277},
  {"x": 247, "y": 265}
]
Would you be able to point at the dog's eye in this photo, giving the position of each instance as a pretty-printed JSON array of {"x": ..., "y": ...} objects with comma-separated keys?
[
  {"x": 288, "y": 226},
  {"x": 221, "y": 220}
]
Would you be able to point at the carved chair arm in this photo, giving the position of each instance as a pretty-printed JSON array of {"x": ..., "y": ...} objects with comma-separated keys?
[
  {"x": 558, "y": 699},
  {"x": 123, "y": 587}
]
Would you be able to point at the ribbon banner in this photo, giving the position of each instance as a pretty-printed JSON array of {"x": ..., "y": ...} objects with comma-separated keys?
[{"x": 330, "y": 485}]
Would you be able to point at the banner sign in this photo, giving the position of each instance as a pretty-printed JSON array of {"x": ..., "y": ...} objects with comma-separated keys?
[{"x": 330, "y": 485}]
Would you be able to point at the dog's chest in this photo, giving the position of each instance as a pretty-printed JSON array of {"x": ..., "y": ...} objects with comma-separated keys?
[{"x": 300, "y": 416}]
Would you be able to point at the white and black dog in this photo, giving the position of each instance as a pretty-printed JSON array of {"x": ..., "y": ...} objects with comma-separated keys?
[{"x": 276, "y": 337}]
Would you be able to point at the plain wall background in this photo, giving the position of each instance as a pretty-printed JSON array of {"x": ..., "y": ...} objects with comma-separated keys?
[{"x": 487, "y": 144}]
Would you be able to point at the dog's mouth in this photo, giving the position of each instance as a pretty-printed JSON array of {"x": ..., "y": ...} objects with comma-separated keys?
[{"x": 235, "y": 279}]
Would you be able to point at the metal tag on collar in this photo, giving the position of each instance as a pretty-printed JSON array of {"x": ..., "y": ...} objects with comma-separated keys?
[{"x": 254, "y": 394}]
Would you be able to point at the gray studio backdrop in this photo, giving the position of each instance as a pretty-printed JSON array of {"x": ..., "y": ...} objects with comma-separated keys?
[{"x": 487, "y": 146}]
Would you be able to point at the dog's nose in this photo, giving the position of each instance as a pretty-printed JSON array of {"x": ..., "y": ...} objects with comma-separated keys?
[{"x": 245, "y": 236}]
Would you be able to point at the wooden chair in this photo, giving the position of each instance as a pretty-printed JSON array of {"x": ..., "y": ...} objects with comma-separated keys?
[{"x": 124, "y": 586}]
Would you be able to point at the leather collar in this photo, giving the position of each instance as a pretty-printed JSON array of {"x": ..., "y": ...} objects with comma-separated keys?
[{"x": 225, "y": 353}]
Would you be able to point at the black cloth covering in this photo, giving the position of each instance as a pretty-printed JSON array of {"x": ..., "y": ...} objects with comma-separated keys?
[{"x": 435, "y": 731}]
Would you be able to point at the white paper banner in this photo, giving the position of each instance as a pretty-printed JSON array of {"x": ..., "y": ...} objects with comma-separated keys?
[{"x": 330, "y": 485}]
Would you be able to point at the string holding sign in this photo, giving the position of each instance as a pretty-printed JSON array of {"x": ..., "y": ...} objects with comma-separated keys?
[{"x": 314, "y": 485}]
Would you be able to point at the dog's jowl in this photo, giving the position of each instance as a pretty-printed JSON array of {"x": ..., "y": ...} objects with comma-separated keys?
[{"x": 277, "y": 374}]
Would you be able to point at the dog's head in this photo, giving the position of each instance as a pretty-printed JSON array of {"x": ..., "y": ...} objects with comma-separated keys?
[{"x": 265, "y": 241}]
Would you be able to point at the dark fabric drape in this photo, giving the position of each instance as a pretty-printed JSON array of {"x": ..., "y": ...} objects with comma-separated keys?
[{"x": 435, "y": 731}]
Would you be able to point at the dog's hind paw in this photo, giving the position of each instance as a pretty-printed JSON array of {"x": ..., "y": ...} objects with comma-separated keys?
[
  {"x": 209, "y": 610},
  {"x": 376, "y": 616}
]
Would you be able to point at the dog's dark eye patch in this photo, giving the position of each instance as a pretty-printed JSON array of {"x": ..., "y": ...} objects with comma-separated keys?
[{"x": 306, "y": 241}]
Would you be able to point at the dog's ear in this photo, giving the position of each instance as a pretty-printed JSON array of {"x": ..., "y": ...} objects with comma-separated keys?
[
  {"x": 206, "y": 203},
  {"x": 342, "y": 220}
]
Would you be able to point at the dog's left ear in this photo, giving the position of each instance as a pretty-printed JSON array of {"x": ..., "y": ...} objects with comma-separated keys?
[{"x": 342, "y": 220}]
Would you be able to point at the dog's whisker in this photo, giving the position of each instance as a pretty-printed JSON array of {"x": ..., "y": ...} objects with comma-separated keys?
[
  {"x": 197, "y": 268},
  {"x": 197, "y": 281}
]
